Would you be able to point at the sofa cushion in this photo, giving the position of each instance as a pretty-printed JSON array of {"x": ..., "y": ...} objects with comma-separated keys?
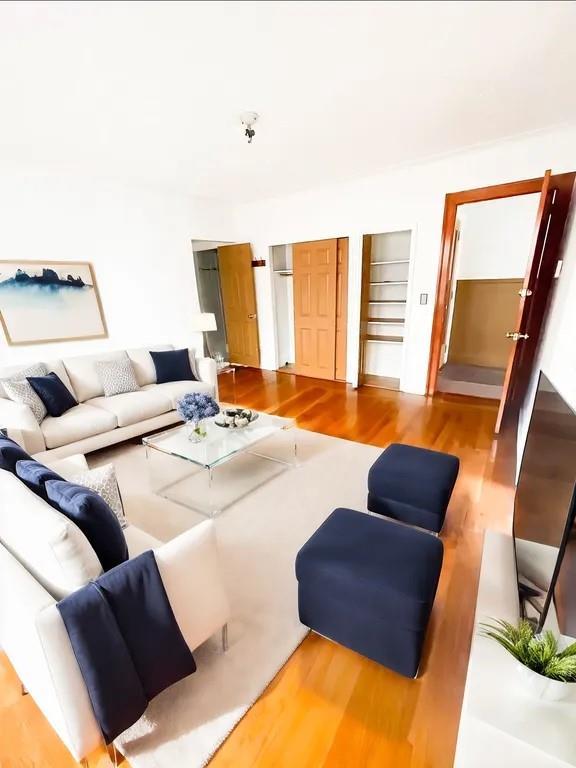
[
  {"x": 58, "y": 554},
  {"x": 84, "y": 376},
  {"x": 35, "y": 476},
  {"x": 55, "y": 395},
  {"x": 78, "y": 423},
  {"x": 88, "y": 510},
  {"x": 172, "y": 366},
  {"x": 21, "y": 391},
  {"x": 19, "y": 373},
  {"x": 117, "y": 376},
  {"x": 177, "y": 389},
  {"x": 143, "y": 364},
  {"x": 36, "y": 369},
  {"x": 10, "y": 454},
  {"x": 103, "y": 481},
  {"x": 132, "y": 407}
]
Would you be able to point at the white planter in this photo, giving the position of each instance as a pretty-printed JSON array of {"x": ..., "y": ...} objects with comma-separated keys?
[{"x": 542, "y": 687}]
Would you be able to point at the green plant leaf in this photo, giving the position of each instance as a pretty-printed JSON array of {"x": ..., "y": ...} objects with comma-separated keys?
[{"x": 537, "y": 652}]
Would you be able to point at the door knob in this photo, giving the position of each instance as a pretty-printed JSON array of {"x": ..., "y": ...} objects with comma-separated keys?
[
  {"x": 251, "y": 317},
  {"x": 516, "y": 336}
]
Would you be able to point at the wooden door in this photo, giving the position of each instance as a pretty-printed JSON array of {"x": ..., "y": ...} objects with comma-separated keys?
[
  {"x": 239, "y": 300},
  {"x": 315, "y": 269},
  {"x": 551, "y": 217},
  {"x": 341, "y": 307},
  {"x": 526, "y": 293}
]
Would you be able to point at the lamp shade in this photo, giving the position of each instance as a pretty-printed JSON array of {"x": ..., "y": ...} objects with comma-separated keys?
[{"x": 203, "y": 321}]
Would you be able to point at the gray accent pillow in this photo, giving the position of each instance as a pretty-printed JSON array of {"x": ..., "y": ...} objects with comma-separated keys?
[
  {"x": 18, "y": 389},
  {"x": 22, "y": 392},
  {"x": 102, "y": 480},
  {"x": 117, "y": 376}
]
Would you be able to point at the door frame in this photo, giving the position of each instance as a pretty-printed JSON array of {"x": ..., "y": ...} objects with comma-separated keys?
[{"x": 562, "y": 181}]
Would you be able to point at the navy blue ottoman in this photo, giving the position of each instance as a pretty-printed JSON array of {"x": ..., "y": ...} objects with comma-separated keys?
[
  {"x": 412, "y": 485},
  {"x": 369, "y": 584}
]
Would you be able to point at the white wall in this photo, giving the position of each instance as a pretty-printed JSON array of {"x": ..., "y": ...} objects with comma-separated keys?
[
  {"x": 495, "y": 238},
  {"x": 139, "y": 242},
  {"x": 406, "y": 198}
]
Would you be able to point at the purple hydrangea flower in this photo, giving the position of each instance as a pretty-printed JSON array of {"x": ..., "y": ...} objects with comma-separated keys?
[{"x": 196, "y": 406}]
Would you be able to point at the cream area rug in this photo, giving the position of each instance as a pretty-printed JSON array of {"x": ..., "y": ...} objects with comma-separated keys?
[{"x": 258, "y": 538}]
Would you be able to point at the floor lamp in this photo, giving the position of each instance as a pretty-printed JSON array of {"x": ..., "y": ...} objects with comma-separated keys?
[{"x": 203, "y": 322}]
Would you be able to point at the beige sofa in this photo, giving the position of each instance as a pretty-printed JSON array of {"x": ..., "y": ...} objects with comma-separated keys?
[
  {"x": 37, "y": 571},
  {"x": 99, "y": 421}
]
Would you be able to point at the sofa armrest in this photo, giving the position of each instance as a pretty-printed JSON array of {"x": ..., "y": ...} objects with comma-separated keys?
[
  {"x": 208, "y": 372},
  {"x": 19, "y": 417},
  {"x": 34, "y": 637},
  {"x": 191, "y": 573},
  {"x": 70, "y": 466}
]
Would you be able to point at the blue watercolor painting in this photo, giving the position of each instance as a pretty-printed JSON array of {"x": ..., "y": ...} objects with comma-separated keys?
[{"x": 42, "y": 302}]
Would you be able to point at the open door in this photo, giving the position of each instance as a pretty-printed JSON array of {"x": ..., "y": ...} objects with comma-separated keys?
[
  {"x": 315, "y": 270},
  {"x": 553, "y": 208},
  {"x": 239, "y": 300}
]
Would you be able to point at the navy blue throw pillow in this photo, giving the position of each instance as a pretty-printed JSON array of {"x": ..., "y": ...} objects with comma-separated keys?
[
  {"x": 10, "y": 453},
  {"x": 53, "y": 392},
  {"x": 172, "y": 366},
  {"x": 35, "y": 476},
  {"x": 94, "y": 517}
]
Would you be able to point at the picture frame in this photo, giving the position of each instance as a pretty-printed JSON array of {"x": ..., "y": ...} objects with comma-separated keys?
[{"x": 47, "y": 302}]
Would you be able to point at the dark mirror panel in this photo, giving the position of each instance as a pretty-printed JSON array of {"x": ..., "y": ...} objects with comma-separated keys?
[{"x": 544, "y": 533}]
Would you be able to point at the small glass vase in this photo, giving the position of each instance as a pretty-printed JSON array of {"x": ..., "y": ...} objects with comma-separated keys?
[{"x": 196, "y": 431}]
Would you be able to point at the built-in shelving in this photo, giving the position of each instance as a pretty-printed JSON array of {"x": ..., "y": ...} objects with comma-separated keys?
[
  {"x": 384, "y": 339},
  {"x": 385, "y": 275}
]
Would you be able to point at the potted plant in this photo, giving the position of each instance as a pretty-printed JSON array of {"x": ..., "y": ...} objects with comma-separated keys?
[
  {"x": 194, "y": 408},
  {"x": 546, "y": 671}
]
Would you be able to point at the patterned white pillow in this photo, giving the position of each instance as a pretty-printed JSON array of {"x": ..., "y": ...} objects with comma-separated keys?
[
  {"x": 19, "y": 390},
  {"x": 116, "y": 376},
  {"x": 103, "y": 481},
  {"x": 22, "y": 392}
]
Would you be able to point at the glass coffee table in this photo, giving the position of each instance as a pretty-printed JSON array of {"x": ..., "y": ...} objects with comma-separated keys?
[{"x": 210, "y": 475}]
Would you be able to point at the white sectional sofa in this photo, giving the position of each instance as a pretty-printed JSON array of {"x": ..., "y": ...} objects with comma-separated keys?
[
  {"x": 38, "y": 570},
  {"x": 99, "y": 421}
]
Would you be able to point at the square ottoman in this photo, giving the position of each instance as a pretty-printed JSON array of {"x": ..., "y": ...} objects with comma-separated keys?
[
  {"x": 413, "y": 485},
  {"x": 369, "y": 584}
]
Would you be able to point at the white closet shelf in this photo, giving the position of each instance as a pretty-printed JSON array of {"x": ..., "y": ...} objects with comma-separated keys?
[
  {"x": 386, "y": 320},
  {"x": 284, "y": 272},
  {"x": 392, "y": 261},
  {"x": 389, "y": 282},
  {"x": 387, "y": 301},
  {"x": 384, "y": 339}
]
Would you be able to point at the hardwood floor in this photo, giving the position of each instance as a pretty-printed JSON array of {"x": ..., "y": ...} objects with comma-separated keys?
[{"x": 330, "y": 707}]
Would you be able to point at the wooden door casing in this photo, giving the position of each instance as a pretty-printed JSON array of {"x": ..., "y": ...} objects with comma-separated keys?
[
  {"x": 561, "y": 185},
  {"x": 315, "y": 272},
  {"x": 341, "y": 307},
  {"x": 239, "y": 300}
]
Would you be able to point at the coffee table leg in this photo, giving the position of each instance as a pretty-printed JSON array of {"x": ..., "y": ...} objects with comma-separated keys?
[{"x": 213, "y": 508}]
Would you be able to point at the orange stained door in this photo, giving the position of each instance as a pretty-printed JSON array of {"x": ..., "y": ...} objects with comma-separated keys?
[
  {"x": 341, "y": 306},
  {"x": 315, "y": 271},
  {"x": 239, "y": 302}
]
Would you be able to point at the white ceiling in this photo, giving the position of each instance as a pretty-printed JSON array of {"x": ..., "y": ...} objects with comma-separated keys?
[{"x": 153, "y": 91}]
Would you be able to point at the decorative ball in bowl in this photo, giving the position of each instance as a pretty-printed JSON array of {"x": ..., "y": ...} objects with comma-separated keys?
[{"x": 235, "y": 418}]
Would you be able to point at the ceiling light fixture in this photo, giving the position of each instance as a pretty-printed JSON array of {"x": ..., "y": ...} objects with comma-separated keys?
[{"x": 248, "y": 119}]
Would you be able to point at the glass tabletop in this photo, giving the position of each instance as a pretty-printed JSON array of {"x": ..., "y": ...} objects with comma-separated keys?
[{"x": 220, "y": 443}]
